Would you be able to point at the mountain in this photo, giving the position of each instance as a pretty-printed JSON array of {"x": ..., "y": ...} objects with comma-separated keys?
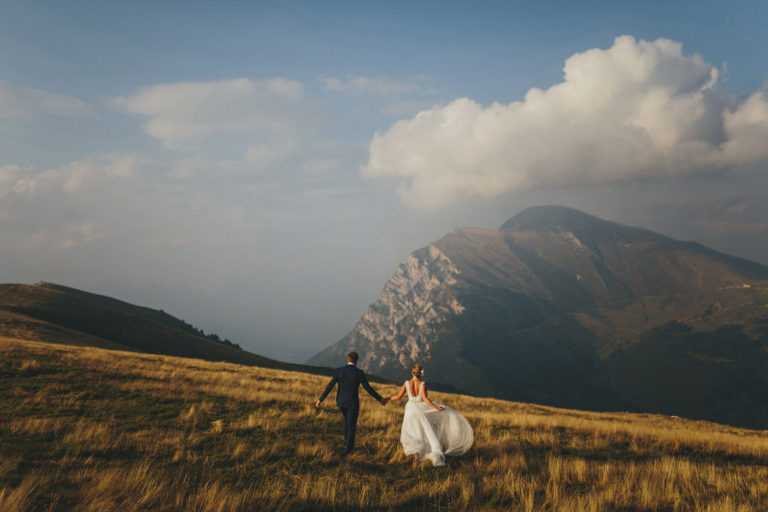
[
  {"x": 58, "y": 314},
  {"x": 563, "y": 308}
]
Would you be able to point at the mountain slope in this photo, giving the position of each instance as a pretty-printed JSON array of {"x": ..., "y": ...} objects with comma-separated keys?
[
  {"x": 563, "y": 308},
  {"x": 58, "y": 314},
  {"x": 98, "y": 430},
  {"x": 151, "y": 314}
]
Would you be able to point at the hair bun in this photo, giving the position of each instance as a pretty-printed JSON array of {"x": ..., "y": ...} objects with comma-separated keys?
[{"x": 418, "y": 370}]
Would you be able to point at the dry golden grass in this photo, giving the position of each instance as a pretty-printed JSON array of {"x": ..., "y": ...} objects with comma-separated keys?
[{"x": 95, "y": 430}]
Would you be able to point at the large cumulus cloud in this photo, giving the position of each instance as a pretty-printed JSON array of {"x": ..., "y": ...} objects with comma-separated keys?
[{"x": 637, "y": 110}]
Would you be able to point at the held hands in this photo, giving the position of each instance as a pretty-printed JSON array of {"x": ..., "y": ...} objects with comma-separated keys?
[{"x": 383, "y": 402}]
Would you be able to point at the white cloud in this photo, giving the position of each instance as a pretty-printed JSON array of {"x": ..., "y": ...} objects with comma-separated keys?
[
  {"x": 193, "y": 111},
  {"x": 128, "y": 166},
  {"x": 25, "y": 188},
  {"x": 637, "y": 110},
  {"x": 747, "y": 129},
  {"x": 75, "y": 176},
  {"x": 15, "y": 179},
  {"x": 52, "y": 239},
  {"x": 19, "y": 102},
  {"x": 372, "y": 86},
  {"x": 67, "y": 209},
  {"x": 76, "y": 235},
  {"x": 70, "y": 178}
]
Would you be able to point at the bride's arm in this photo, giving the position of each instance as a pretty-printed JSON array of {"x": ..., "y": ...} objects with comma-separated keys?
[
  {"x": 399, "y": 395},
  {"x": 426, "y": 398}
]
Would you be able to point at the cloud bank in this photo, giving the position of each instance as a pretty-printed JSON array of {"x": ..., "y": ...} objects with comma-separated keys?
[
  {"x": 189, "y": 112},
  {"x": 20, "y": 102},
  {"x": 637, "y": 110}
]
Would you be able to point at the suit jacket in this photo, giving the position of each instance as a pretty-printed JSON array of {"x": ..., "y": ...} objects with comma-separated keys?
[{"x": 349, "y": 378}]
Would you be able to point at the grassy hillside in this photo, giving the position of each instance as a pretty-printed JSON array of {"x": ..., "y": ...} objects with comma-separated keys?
[
  {"x": 57, "y": 314},
  {"x": 158, "y": 316},
  {"x": 97, "y": 430}
]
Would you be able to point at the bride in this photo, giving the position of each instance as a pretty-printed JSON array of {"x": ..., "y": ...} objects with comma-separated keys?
[{"x": 431, "y": 431}]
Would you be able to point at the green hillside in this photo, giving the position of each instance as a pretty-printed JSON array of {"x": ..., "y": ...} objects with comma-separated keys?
[{"x": 58, "y": 314}]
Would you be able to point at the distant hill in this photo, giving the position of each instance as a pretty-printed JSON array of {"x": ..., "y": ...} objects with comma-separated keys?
[
  {"x": 58, "y": 314},
  {"x": 158, "y": 316},
  {"x": 563, "y": 308}
]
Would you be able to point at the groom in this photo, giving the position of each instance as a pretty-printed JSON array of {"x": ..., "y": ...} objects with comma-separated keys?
[{"x": 349, "y": 378}]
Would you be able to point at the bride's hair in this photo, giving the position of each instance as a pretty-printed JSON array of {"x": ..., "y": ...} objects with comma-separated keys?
[{"x": 418, "y": 371}]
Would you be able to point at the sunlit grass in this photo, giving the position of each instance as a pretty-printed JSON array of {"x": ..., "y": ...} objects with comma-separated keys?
[{"x": 96, "y": 430}]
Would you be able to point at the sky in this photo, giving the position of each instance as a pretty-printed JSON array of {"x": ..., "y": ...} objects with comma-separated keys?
[{"x": 260, "y": 169}]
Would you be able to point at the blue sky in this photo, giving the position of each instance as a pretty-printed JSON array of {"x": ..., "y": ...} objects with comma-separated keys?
[{"x": 260, "y": 169}]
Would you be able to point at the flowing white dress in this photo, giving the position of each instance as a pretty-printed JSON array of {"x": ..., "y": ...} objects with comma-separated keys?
[{"x": 432, "y": 434}]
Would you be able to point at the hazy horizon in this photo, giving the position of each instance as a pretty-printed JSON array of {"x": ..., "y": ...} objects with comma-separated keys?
[{"x": 261, "y": 170}]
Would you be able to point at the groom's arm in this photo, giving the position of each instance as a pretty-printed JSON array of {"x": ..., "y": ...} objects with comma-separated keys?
[
  {"x": 370, "y": 390},
  {"x": 328, "y": 389}
]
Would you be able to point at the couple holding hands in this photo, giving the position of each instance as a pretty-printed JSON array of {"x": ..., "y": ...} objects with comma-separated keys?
[{"x": 430, "y": 430}]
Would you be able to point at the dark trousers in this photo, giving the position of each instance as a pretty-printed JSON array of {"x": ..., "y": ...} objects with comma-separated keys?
[{"x": 350, "y": 426}]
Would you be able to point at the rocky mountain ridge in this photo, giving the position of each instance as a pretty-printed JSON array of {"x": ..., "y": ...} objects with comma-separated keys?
[
  {"x": 425, "y": 279},
  {"x": 548, "y": 307}
]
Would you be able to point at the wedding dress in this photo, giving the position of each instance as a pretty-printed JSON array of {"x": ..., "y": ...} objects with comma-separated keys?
[{"x": 432, "y": 434}]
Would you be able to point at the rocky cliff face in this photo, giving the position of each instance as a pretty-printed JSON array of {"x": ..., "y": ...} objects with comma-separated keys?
[
  {"x": 402, "y": 325},
  {"x": 561, "y": 307}
]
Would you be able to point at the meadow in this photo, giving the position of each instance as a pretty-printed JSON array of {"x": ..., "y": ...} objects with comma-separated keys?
[{"x": 97, "y": 430}]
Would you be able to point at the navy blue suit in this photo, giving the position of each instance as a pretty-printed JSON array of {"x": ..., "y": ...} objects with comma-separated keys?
[{"x": 349, "y": 378}]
